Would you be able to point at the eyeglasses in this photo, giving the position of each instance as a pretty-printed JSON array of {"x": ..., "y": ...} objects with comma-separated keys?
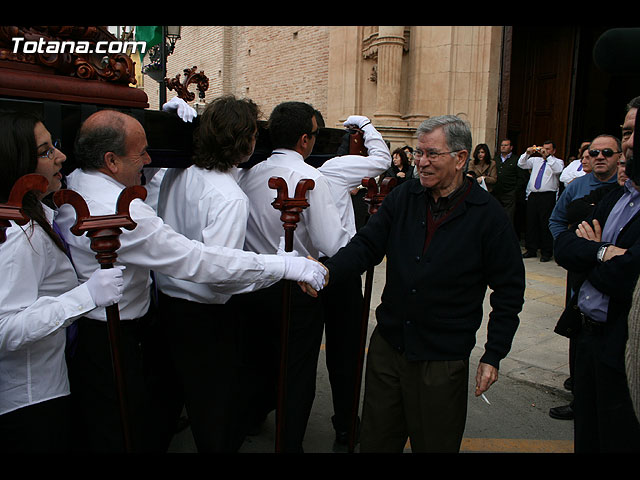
[
  {"x": 313, "y": 134},
  {"x": 432, "y": 155},
  {"x": 606, "y": 152},
  {"x": 49, "y": 153}
]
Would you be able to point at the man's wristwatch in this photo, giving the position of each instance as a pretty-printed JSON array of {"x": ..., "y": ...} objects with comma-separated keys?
[{"x": 601, "y": 252}]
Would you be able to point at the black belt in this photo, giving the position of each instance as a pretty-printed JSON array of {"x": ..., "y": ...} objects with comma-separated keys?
[{"x": 591, "y": 325}]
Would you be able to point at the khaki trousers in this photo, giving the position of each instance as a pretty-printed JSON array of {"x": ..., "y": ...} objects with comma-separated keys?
[{"x": 423, "y": 401}]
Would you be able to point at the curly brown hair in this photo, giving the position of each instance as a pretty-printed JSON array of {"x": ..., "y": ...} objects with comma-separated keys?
[{"x": 226, "y": 132}]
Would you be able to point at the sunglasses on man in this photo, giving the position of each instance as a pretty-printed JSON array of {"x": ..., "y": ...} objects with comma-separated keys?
[{"x": 606, "y": 152}]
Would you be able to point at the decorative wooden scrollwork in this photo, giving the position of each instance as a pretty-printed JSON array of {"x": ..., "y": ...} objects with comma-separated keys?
[
  {"x": 115, "y": 68},
  {"x": 190, "y": 76}
]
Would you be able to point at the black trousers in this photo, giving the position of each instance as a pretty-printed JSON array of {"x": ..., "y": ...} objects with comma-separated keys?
[
  {"x": 538, "y": 236},
  {"x": 262, "y": 333},
  {"x": 206, "y": 350},
  {"x": 508, "y": 202},
  {"x": 342, "y": 305},
  {"x": 605, "y": 421},
  {"x": 39, "y": 428},
  {"x": 96, "y": 419}
]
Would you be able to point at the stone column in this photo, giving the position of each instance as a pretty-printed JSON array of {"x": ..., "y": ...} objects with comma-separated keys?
[{"x": 390, "y": 44}]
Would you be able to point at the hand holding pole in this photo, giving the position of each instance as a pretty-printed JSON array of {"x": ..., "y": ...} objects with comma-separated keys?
[
  {"x": 104, "y": 232},
  {"x": 290, "y": 215}
]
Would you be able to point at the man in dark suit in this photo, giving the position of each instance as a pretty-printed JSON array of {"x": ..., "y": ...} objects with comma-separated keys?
[
  {"x": 511, "y": 179},
  {"x": 607, "y": 250}
]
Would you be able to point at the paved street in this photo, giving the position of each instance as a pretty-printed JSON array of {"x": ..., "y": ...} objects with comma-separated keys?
[{"x": 530, "y": 383}]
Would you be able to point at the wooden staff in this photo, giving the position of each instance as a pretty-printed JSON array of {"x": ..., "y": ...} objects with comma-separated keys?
[
  {"x": 12, "y": 210},
  {"x": 290, "y": 216},
  {"x": 356, "y": 142},
  {"x": 374, "y": 198},
  {"x": 104, "y": 232}
]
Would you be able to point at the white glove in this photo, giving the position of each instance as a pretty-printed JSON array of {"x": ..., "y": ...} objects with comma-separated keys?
[
  {"x": 302, "y": 269},
  {"x": 184, "y": 111},
  {"x": 106, "y": 285},
  {"x": 357, "y": 120},
  {"x": 281, "y": 251}
]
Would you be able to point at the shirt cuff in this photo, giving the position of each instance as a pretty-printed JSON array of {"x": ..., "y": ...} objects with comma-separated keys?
[
  {"x": 76, "y": 302},
  {"x": 273, "y": 266}
]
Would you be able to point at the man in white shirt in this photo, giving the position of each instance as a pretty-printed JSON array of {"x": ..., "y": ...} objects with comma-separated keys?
[
  {"x": 293, "y": 127},
  {"x": 111, "y": 149},
  {"x": 542, "y": 193},
  {"x": 343, "y": 301},
  {"x": 205, "y": 203}
]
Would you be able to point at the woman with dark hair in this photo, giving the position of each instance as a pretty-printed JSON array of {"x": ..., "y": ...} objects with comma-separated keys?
[
  {"x": 39, "y": 298},
  {"x": 400, "y": 167},
  {"x": 205, "y": 203},
  {"x": 482, "y": 167}
]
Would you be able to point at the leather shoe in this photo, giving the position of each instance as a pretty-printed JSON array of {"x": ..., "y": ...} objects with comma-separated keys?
[
  {"x": 529, "y": 254},
  {"x": 568, "y": 384},
  {"x": 545, "y": 259},
  {"x": 342, "y": 436},
  {"x": 565, "y": 412}
]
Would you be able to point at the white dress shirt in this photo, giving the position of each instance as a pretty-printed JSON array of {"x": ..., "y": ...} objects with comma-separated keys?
[
  {"x": 571, "y": 172},
  {"x": 550, "y": 178},
  {"x": 346, "y": 172},
  {"x": 319, "y": 232},
  {"x": 154, "y": 245},
  {"x": 207, "y": 206},
  {"x": 39, "y": 297}
]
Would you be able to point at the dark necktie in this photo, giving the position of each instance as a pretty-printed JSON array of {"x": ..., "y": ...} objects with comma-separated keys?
[{"x": 540, "y": 173}]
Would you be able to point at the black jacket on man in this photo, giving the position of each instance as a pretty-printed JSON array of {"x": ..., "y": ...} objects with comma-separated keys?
[
  {"x": 616, "y": 277},
  {"x": 432, "y": 302}
]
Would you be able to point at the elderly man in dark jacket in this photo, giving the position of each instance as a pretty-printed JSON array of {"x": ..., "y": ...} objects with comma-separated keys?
[{"x": 445, "y": 240}]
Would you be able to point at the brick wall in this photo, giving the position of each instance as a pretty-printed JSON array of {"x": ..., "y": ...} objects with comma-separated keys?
[{"x": 268, "y": 64}]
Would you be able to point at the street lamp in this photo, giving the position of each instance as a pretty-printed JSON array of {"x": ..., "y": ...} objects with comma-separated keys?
[
  {"x": 170, "y": 34},
  {"x": 157, "y": 67}
]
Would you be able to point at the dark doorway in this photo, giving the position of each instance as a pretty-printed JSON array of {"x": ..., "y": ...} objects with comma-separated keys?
[{"x": 552, "y": 89}]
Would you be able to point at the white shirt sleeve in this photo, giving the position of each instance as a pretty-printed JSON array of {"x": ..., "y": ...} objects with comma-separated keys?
[
  {"x": 156, "y": 246},
  {"x": 351, "y": 169},
  {"x": 525, "y": 162},
  {"x": 34, "y": 271}
]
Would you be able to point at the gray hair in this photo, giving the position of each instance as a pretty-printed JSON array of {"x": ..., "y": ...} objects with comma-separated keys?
[
  {"x": 457, "y": 132},
  {"x": 94, "y": 141},
  {"x": 633, "y": 103}
]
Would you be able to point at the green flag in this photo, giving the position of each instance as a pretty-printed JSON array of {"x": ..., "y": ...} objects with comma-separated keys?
[{"x": 151, "y": 35}]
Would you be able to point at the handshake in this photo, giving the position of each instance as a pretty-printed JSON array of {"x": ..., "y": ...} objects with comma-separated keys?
[{"x": 311, "y": 275}]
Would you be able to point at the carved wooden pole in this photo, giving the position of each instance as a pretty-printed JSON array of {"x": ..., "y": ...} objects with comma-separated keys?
[
  {"x": 290, "y": 216},
  {"x": 356, "y": 142},
  {"x": 374, "y": 198},
  {"x": 104, "y": 232},
  {"x": 12, "y": 210}
]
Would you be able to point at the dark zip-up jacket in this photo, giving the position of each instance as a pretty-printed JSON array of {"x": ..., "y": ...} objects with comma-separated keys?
[
  {"x": 616, "y": 277},
  {"x": 432, "y": 303}
]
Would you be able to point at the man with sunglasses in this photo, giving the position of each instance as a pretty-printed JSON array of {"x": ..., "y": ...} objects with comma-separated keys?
[
  {"x": 604, "y": 153},
  {"x": 606, "y": 249}
]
